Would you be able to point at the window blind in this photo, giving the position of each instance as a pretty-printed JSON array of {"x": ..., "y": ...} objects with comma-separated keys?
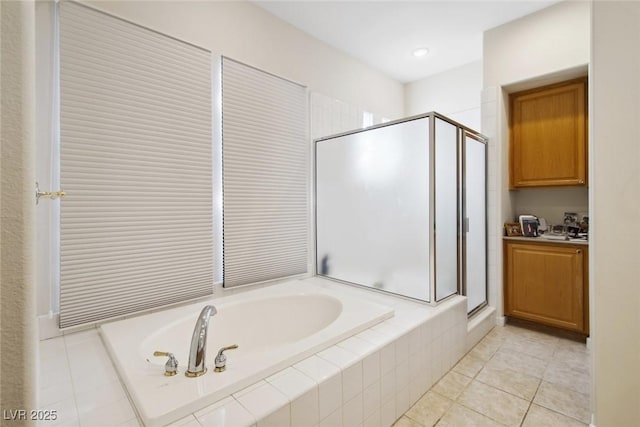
[
  {"x": 265, "y": 155},
  {"x": 135, "y": 162}
]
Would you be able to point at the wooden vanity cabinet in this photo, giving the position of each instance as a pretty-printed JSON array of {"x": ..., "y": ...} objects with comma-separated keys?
[
  {"x": 548, "y": 136},
  {"x": 547, "y": 283}
]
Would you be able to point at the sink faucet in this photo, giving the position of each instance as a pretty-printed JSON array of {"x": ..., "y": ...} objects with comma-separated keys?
[{"x": 198, "y": 349}]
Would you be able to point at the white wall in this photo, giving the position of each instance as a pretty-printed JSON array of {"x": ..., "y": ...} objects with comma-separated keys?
[
  {"x": 237, "y": 29},
  {"x": 615, "y": 197},
  {"x": 454, "y": 93},
  {"x": 249, "y": 34},
  {"x": 552, "y": 44},
  {"x": 551, "y": 40}
]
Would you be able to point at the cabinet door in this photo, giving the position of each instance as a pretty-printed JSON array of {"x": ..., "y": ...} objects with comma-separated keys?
[
  {"x": 548, "y": 136},
  {"x": 545, "y": 283}
]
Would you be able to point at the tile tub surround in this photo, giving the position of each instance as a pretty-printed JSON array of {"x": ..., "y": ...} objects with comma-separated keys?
[
  {"x": 370, "y": 379},
  {"x": 274, "y": 328}
]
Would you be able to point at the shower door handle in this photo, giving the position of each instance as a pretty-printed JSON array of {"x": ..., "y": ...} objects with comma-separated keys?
[{"x": 466, "y": 224}]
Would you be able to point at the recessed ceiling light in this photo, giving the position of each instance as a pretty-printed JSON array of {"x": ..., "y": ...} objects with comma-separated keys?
[{"x": 421, "y": 51}]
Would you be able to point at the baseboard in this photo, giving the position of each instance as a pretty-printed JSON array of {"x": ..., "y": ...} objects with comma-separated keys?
[
  {"x": 501, "y": 320},
  {"x": 48, "y": 326}
]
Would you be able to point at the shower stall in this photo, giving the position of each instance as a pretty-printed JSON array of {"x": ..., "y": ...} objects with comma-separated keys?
[{"x": 401, "y": 207}]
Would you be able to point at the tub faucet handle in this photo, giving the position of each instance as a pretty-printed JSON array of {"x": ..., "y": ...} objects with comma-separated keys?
[
  {"x": 221, "y": 359},
  {"x": 171, "y": 367}
]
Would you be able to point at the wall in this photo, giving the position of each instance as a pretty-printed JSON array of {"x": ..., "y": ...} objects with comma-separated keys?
[
  {"x": 615, "y": 192},
  {"x": 454, "y": 93},
  {"x": 550, "y": 203},
  {"x": 247, "y": 33},
  {"x": 239, "y": 30},
  {"x": 18, "y": 337},
  {"x": 549, "y": 45}
]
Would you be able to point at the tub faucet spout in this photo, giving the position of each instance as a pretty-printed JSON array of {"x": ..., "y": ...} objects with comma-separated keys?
[{"x": 198, "y": 349}]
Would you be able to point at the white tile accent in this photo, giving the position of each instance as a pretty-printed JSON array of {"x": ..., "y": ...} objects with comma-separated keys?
[
  {"x": 388, "y": 412},
  {"x": 226, "y": 412},
  {"x": 416, "y": 340},
  {"x": 352, "y": 412},
  {"x": 370, "y": 369},
  {"x": 189, "y": 421},
  {"x": 387, "y": 358},
  {"x": 402, "y": 401},
  {"x": 330, "y": 395},
  {"x": 333, "y": 420},
  {"x": 292, "y": 383},
  {"x": 402, "y": 349},
  {"x": 93, "y": 399},
  {"x": 373, "y": 420},
  {"x": 339, "y": 356},
  {"x": 305, "y": 409},
  {"x": 351, "y": 382},
  {"x": 371, "y": 399},
  {"x": 263, "y": 400},
  {"x": 108, "y": 415},
  {"x": 357, "y": 346},
  {"x": 279, "y": 418},
  {"x": 317, "y": 368},
  {"x": 388, "y": 385}
]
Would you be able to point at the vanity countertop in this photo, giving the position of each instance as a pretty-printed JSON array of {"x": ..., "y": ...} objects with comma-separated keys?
[{"x": 545, "y": 239}]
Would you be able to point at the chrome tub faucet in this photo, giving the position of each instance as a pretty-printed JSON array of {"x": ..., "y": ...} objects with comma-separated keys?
[{"x": 198, "y": 348}]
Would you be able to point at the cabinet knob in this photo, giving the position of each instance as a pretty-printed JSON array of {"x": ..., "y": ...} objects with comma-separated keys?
[
  {"x": 578, "y": 251},
  {"x": 581, "y": 181}
]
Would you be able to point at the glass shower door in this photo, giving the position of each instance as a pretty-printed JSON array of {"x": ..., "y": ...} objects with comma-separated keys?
[
  {"x": 446, "y": 209},
  {"x": 475, "y": 222}
]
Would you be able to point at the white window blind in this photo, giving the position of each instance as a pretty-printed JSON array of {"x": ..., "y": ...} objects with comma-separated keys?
[
  {"x": 265, "y": 154},
  {"x": 135, "y": 161}
]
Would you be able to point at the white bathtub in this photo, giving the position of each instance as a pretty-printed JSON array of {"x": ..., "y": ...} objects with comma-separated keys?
[{"x": 274, "y": 327}]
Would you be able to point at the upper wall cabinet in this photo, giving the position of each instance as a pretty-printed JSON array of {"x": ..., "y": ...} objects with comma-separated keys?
[{"x": 548, "y": 136}]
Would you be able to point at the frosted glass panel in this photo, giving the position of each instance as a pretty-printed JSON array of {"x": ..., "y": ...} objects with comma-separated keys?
[
  {"x": 372, "y": 208},
  {"x": 475, "y": 210},
  {"x": 446, "y": 209}
]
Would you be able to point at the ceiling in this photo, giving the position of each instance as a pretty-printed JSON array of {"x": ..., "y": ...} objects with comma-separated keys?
[{"x": 383, "y": 34}]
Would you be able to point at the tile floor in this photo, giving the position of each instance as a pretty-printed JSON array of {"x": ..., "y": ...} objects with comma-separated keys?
[{"x": 513, "y": 377}]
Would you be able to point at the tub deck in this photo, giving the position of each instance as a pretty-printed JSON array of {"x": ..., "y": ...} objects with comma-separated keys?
[{"x": 290, "y": 323}]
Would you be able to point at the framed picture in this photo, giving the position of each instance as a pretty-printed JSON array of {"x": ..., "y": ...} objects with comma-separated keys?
[
  {"x": 513, "y": 228},
  {"x": 529, "y": 227}
]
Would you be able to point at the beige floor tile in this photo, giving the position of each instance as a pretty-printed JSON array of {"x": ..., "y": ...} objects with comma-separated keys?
[
  {"x": 543, "y": 417},
  {"x": 571, "y": 345},
  {"x": 486, "y": 348},
  {"x": 564, "y": 400},
  {"x": 429, "y": 409},
  {"x": 520, "y": 362},
  {"x": 531, "y": 347},
  {"x": 514, "y": 382},
  {"x": 539, "y": 337},
  {"x": 469, "y": 366},
  {"x": 573, "y": 376},
  {"x": 495, "y": 404},
  {"x": 459, "y": 416},
  {"x": 406, "y": 422},
  {"x": 452, "y": 385},
  {"x": 578, "y": 357}
]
